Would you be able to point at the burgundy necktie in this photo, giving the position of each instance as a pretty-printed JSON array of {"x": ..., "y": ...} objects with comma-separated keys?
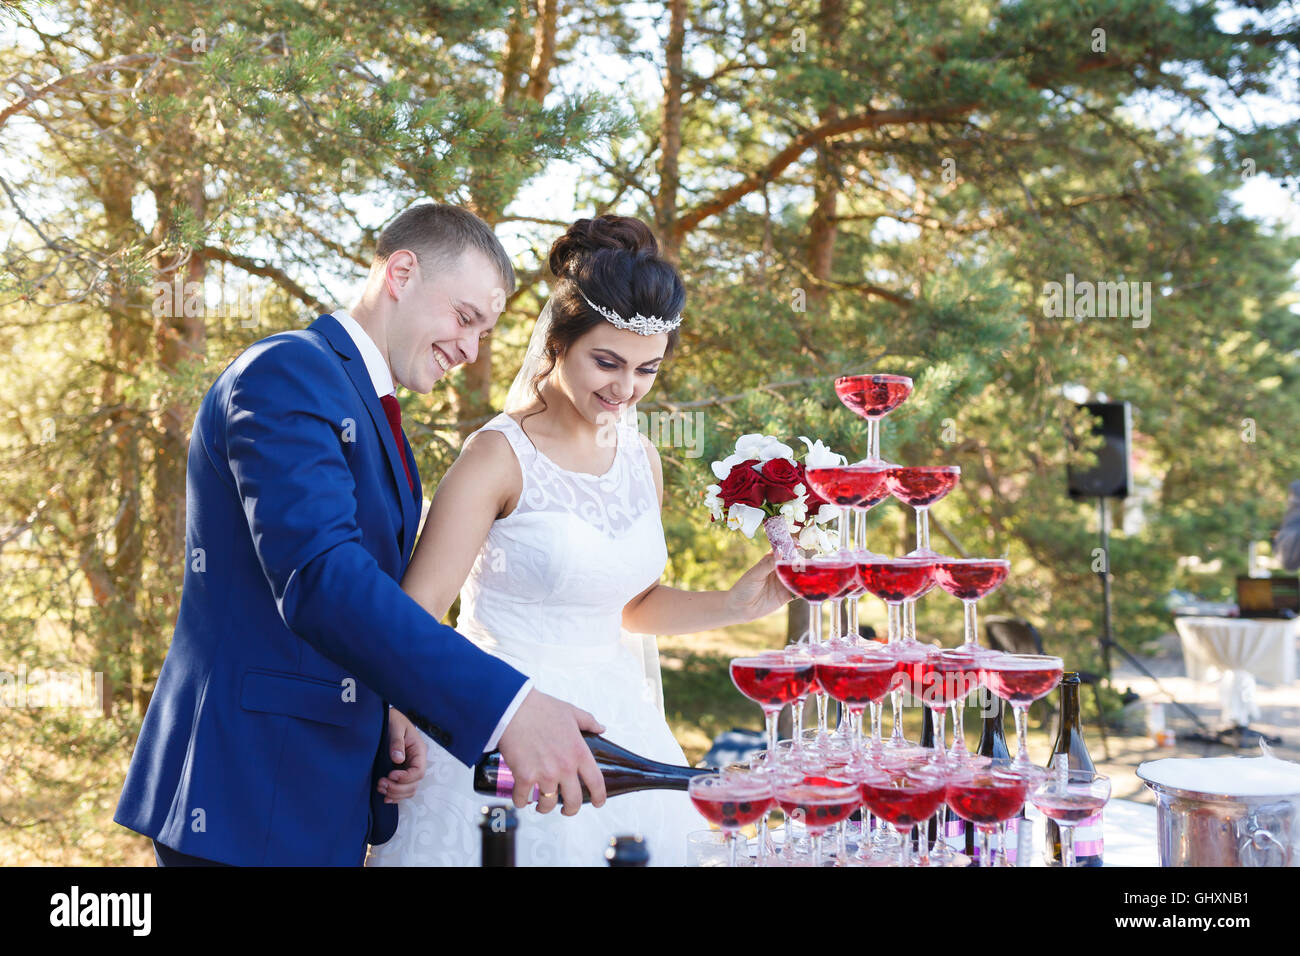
[{"x": 394, "y": 413}]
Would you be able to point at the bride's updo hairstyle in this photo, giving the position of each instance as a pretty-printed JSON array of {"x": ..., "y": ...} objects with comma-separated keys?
[{"x": 614, "y": 261}]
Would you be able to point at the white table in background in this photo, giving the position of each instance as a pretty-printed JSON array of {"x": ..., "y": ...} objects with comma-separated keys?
[{"x": 1236, "y": 651}]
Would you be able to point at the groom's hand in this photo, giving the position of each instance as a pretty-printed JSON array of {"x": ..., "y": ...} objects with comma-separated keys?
[
  {"x": 543, "y": 746},
  {"x": 408, "y": 751}
]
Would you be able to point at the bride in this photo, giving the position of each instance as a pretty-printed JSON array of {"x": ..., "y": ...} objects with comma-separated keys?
[{"x": 550, "y": 518}]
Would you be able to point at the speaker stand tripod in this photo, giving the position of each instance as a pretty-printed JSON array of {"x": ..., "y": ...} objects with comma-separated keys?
[{"x": 1205, "y": 735}]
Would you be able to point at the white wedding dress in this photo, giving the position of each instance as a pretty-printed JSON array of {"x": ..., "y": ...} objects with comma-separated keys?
[{"x": 546, "y": 594}]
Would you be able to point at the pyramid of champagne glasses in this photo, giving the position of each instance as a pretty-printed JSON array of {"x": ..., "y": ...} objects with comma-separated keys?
[{"x": 848, "y": 795}]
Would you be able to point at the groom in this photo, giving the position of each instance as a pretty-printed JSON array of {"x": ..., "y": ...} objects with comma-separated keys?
[{"x": 269, "y": 740}]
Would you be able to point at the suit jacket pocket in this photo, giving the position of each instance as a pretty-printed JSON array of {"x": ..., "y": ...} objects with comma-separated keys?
[{"x": 309, "y": 698}]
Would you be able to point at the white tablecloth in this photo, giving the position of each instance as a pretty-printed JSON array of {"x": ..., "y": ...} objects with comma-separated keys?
[
  {"x": 1236, "y": 651},
  {"x": 1128, "y": 831}
]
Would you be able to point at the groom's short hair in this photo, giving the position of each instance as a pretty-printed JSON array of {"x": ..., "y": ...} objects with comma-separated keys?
[{"x": 439, "y": 234}]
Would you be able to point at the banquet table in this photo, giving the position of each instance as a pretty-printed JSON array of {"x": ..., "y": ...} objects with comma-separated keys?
[{"x": 1237, "y": 651}]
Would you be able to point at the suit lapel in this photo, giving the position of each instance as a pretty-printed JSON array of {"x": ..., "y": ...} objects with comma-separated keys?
[{"x": 355, "y": 366}]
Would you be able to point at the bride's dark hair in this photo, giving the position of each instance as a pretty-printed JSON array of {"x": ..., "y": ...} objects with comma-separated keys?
[{"x": 614, "y": 261}]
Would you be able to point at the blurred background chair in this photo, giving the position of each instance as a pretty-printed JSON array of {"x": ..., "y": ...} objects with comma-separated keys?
[{"x": 1015, "y": 635}]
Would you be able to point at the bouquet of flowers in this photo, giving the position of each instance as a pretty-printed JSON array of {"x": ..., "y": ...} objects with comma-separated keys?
[{"x": 761, "y": 482}]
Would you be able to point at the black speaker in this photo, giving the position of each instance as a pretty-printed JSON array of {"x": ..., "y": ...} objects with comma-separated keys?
[{"x": 1111, "y": 477}]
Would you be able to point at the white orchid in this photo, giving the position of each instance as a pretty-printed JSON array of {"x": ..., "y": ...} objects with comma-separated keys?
[
  {"x": 745, "y": 518},
  {"x": 713, "y": 502},
  {"x": 818, "y": 539},
  {"x": 826, "y": 513},
  {"x": 723, "y": 468},
  {"x": 795, "y": 510},
  {"x": 819, "y": 456},
  {"x": 762, "y": 447}
]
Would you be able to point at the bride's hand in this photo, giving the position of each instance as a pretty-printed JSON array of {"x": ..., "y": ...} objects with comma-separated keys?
[
  {"x": 408, "y": 752},
  {"x": 758, "y": 592}
]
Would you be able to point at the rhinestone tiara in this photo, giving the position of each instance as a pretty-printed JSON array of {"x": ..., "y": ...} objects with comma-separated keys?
[{"x": 640, "y": 324}]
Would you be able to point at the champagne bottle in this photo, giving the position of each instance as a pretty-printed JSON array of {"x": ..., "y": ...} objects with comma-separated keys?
[
  {"x": 624, "y": 772},
  {"x": 498, "y": 833},
  {"x": 627, "y": 851},
  {"x": 1069, "y": 741},
  {"x": 993, "y": 744}
]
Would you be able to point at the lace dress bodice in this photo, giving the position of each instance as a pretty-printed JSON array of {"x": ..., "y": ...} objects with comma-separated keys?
[{"x": 560, "y": 568}]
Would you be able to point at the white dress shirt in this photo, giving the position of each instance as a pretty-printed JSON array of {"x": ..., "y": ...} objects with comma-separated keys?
[{"x": 382, "y": 378}]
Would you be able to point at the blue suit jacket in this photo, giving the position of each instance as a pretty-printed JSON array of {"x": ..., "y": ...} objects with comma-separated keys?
[{"x": 266, "y": 733}]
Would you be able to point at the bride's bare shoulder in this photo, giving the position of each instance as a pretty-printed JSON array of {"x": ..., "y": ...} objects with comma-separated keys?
[{"x": 488, "y": 464}]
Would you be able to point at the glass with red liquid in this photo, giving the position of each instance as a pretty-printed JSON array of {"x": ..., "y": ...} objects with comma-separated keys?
[
  {"x": 947, "y": 678},
  {"x": 731, "y": 801},
  {"x": 873, "y": 397},
  {"x": 855, "y": 489},
  {"x": 772, "y": 682},
  {"x": 921, "y": 486},
  {"x": 816, "y": 580},
  {"x": 1021, "y": 679},
  {"x": 904, "y": 798},
  {"x": 857, "y": 681},
  {"x": 970, "y": 580},
  {"x": 987, "y": 796},
  {"x": 818, "y": 803}
]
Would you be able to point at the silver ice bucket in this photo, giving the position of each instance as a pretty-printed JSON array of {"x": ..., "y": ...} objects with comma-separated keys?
[{"x": 1199, "y": 828}]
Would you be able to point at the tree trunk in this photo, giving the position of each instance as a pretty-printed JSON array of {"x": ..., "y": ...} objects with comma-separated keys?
[{"x": 670, "y": 139}]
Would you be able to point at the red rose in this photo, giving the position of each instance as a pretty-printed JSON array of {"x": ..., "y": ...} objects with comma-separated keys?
[
  {"x": 743, "y": 484},
  {"x": 779, "y": 478}
]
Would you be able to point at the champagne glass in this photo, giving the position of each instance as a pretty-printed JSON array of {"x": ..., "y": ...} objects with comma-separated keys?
[
  {"x": 872, "y": 397},
  {"x": 894, "y": 580},
  {"x": 856, "y": 681},
  {"x": 772, "y": 682},
  {"x": 947, "y": 677},
  {"x": 1021, "y": 679},
  {"x": 921, "y": 486},
  {"x": 1069, "y": 797},
  {"x": 819, "y": 804},
  {"x": 970, "y": 580},
  {"x": 986, "y": 795},
  {"x": 731, "y": 801},
  {"x": 903, "y": 797},
  {"x": 816, "y": 580}
]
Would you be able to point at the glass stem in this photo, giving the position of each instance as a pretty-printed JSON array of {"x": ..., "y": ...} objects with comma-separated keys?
[
  {"x": 985, "y": 841},
  {"x": 972, "y": 632},
  {"x": 958, "y": 726},
  {"x": 923, "y": 528},
  {"x": 770, "y": 716},
  {"x": 1022, "y": 732},
  {"x": 1067, "y": 844},
  {"x": 837, "y": 632},
  {"x": 796, "y": 715},
  {"x": 733, "y": 839},
  {"x": 939, "y": 738},
  {"x": 873, "y": 439},
  {"x": 859, "y": 529},
  {"x": 905, "y": 836},
  {"x": 815, "y": 621}
]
